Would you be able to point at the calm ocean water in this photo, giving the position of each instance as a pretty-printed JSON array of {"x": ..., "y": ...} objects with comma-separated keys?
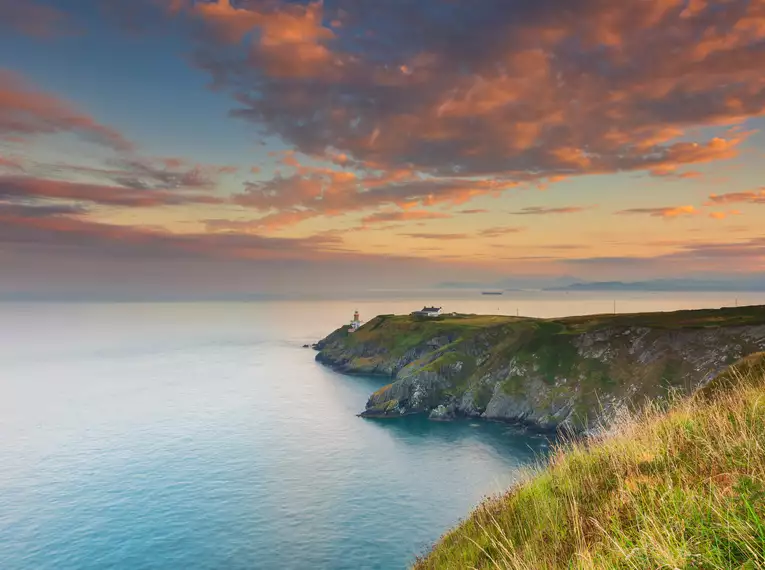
[{"x": 201, "y": 436}]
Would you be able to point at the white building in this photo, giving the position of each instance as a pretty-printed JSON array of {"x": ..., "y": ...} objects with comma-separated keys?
[{"x": 429, "y": 312}]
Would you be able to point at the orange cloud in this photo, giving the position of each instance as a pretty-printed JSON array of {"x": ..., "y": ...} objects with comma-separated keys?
[
  {"x": 499, "y": 231},
  {"x": 542, "y": 211},
  {"x": 531, "y": 110},
  {"x": 26, "y": 112},
  {"x": 666, "y": 212},
  {"x": 537, "y": 103},
  {"x": 400, "y": 119},
  {"x": 752, "y": 197},
  {"x": 320, "y": 191},
  {"x": 402, "y": 216},
  {"x": 723, "y": 215},
  {"x": 444, "y": 237},
  {"x": 670, "y": 171},
  {"x": 290, "y": 39}
]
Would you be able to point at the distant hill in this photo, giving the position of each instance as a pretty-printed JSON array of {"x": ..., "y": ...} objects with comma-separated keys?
[
  {"x": 749, "y": 284},
  {"x": 514, "y": 283}
]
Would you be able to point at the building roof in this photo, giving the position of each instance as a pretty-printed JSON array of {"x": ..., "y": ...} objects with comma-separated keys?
[{"x": 430, "y": 309}]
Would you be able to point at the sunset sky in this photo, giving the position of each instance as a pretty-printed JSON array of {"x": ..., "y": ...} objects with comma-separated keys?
[{"x": 286, "y": 146}]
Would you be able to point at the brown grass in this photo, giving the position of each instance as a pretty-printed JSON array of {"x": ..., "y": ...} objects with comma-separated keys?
[{"x": 683, "y": 488}]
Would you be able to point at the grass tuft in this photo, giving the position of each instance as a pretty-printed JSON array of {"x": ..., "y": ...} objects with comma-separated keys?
[{"x": 680, "y": 488}]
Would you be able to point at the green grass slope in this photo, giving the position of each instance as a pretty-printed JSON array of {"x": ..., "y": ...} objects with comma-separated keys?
[
  {"x": 399, "y": 333},
  {"x": 683, "y": 488}
]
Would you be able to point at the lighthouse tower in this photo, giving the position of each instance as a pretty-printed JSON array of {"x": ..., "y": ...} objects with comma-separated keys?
[{"x": 356, "y": 322}]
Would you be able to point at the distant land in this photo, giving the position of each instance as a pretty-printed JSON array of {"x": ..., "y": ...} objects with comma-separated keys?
[
  {"x": 750, "y": 282},
  {"x": 665, "y": 285},
  {"x": 516, "y": 283}
]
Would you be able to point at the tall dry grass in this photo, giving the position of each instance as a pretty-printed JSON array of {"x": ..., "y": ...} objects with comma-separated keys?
[{"x": 683, "y": 488}]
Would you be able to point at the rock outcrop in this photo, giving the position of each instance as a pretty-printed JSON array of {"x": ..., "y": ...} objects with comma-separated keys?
[{"x": 572, "y": 373}]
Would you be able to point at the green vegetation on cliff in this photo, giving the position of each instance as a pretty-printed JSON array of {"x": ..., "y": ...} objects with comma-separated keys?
[
  {"x": 399, "y": 333},
  {"x": 683, "y": 488},
  {"x": 567, "y": 372}
]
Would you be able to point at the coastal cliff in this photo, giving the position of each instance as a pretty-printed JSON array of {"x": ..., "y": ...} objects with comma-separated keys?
[{"x": 569, "y": 373}]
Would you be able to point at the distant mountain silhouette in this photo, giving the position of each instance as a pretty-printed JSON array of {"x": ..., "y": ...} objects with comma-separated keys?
[
  {"x": 747, "y": 282},
  {"x": 750, "y": 284}
]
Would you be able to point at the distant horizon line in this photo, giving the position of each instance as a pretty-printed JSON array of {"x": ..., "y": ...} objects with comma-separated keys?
[{"x": 75, "y": 298}]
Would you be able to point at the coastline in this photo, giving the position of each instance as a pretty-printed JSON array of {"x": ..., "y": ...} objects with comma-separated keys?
[{"x": 571, "y": 375}]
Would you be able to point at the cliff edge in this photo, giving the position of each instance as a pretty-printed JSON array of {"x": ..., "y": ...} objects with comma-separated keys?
[
  {"x": 569, "y": 373},
  {"x": 668, "y": 487}
]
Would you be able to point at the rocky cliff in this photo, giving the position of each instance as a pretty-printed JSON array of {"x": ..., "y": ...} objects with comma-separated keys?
[{"x": 572, "y": 373}]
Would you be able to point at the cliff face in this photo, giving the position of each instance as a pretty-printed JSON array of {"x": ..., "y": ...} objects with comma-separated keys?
[{"x": 572, "y": 373}]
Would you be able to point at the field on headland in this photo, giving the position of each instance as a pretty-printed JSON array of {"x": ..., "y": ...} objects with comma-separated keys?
[{"x": 677, "y": 489}]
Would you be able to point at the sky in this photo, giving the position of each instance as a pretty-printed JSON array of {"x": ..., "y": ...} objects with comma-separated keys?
[{"x": 274, "y": 146}]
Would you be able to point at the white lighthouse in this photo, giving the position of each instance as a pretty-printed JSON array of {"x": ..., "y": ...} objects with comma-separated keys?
[{"x": 356, "y": 322}]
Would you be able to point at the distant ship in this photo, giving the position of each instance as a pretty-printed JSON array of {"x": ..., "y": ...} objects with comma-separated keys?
[{"x": 492, "y": 292}]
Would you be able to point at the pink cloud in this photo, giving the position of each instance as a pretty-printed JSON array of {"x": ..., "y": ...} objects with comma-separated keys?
[
  {"x": 148, "y": 173},
  {"x": 514, "y": 114},
  {"x": 60, "y": 225},
  {"x": 752, "y": 197},
  {"x": 437, "y": 236},
  {"x": 26, "y": 112},
  {"x": 463, "y": 111},
  {"x": 402, "y": 216},
  {"x": 30, "y": 188},
  {"x": 11, "y": 163}
]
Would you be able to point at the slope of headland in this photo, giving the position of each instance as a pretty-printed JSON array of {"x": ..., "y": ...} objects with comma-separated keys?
[
  {"x": 568, "y": 373},
  {"x": 681, "y": 488}
]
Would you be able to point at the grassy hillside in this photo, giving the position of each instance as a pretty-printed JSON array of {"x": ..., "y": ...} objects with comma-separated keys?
[
  {"x": 677, "y": 489},
  {"x": 546, "y": 373},
  {"x": 399, "y": 333},
  {"x": 697, "y": 318}
]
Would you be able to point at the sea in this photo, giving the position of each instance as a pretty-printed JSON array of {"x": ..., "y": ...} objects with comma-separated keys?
[{"x": 205, "y": 436}]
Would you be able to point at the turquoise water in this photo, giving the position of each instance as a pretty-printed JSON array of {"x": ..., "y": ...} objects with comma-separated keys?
[
  {"x": 177, "y": 436},
  {"x": 205, "y": 436}
]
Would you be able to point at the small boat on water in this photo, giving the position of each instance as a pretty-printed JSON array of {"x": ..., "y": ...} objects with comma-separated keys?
[{"x": 492, "y": 292}]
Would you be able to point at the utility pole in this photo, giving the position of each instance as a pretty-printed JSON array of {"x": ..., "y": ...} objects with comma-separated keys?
[{"x": 614, "y": 306}]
